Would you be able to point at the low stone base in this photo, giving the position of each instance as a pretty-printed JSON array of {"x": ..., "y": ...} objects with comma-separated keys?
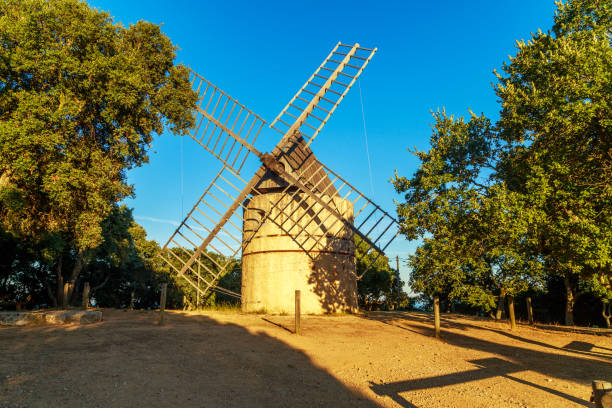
[{"x": 50, "y": 317}]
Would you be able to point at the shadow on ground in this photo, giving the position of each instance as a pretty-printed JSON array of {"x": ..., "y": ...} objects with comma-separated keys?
[
  {"x": 578, "y": 362},
  {"x": 193, "y": 361}
]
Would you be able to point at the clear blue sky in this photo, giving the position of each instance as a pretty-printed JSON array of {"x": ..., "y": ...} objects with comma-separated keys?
[{"x": 431, "y": 55}]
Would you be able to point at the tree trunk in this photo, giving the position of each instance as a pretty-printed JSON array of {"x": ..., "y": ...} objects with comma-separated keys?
[
  {"x": 529, "y": 310},
  {"x": 76, "y": 298},
  {"x": 76, "y": 270},
  {"x": 511, "y": 312},
  {"x": 85, "y": 299},
  {"x": 605, "y": 312},
  {"x": 569, "y": 301},
  {"x": 60, "y": 283},
  {"x": 52, "y": 295},
  {"x": 65, "y": 296},
  {"x": 500, "y": 305},
  {"x": 436, "y": 304}
]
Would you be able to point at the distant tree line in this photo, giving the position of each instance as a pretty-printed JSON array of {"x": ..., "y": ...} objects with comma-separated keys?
[{"x": 523, "y": 207}]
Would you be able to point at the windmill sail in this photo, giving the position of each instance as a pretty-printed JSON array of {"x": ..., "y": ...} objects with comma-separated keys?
[
  {"x": 313, "y": 104},
  {"x": 210, "y": 237},
  {"x": 223, "y": 126}
]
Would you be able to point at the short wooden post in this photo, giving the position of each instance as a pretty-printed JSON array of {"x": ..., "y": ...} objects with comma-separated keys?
[
  {"x": 162, "y": 304},
  {"x": 65, "y": 295},
  {"x": 85, "y": 301},
  {"x": 602, "y": 394},
  {"x": 511, "y": 312},
  {"x": 198, "y": 291},
  {"x": 298, "y": 326},
  {"x": 436, "y": 304},
  {"x": 529, "y": 310}
]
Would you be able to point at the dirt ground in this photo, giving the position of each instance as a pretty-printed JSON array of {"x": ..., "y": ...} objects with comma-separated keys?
[{"x": 214, "y": 359}]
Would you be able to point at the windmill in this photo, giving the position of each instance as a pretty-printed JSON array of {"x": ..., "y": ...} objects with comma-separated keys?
[{"x": 295, "y": 224}]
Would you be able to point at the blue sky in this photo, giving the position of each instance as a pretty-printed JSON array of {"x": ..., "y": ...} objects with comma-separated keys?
[{"x": 430, "y": 55}]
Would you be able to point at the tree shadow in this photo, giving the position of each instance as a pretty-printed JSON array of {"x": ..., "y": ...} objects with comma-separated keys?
[
  {"x": 578, "y": 347},
  {"x": 486, "y": 368},
  {"x": 512, "y": 358},
  {"x": 192, "y": 361}
]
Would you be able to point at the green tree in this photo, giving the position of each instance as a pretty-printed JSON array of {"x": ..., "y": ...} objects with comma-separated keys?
[
  {"x": 380, "y": 287},
  {"x": 499, "y": 203},
  {"x": 556, "y": 118},
  {"x": 476, "y": 246},
  {"x": 80, "y": 100}
]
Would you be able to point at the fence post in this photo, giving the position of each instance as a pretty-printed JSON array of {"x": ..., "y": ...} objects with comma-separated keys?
[
  {"x": 85, "y": 301},
  {"x": 162, "y": 304},
  {"x": 436, "y": 300},
  {"x": 298, "y": 328},
  {"x": 198, "y": 291}
]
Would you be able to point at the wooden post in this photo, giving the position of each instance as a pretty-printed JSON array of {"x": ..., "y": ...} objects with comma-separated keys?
[
  {"x": 529, "y": 310},
  {"x": 397, "y": 264},
  {"x": 65, "y": 295},
  {"x": 85, "y": 301},
  {"x": 436, "y": 304},
  {"x": 198, "y": 291},
  {"x": 511, "y": 312},
  {"x": 298, "y": 328},
  {"x": 162, "y": 304},
  {"x": 602, "y": 394}
]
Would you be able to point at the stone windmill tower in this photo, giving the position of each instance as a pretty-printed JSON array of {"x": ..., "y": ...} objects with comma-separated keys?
[{"x": 295, "y": 223}]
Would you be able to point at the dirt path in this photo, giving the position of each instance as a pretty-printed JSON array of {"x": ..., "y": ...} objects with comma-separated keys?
[{"x": 233, "y": 360}]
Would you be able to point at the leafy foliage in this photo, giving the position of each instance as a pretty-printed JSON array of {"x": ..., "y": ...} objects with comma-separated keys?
[
  {"x": 380, "y": 287},
  {"x": 80, "y": 100}
]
